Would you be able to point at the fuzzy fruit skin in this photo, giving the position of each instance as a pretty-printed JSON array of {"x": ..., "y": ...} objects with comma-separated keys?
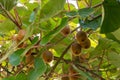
[
  {"x": 65, "y": 78},
  {"x": 47, "y": 56},
  {"x": 65, "y": 31},
  {"x": 76, "y": 49},
  {"x": 86, "y": 44},
  {"x": 21, "y": 34},
  {"x": 81, "y": 36},
  {"x": 73, "y": 74},
  {"x": 29, "y": 59}
]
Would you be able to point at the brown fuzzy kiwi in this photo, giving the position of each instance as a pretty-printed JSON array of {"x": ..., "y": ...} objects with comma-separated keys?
[
  {"x": 81, "y": 36},
  {"x": 29, "y": 59},
  {"x": 86, "y": 44},
  {"x": 73, "y": 74},
  {"x": 76, "y": 49},
  {"x": 65, "y": 78},
  {"x": 14, "y": 37},
  {"x": 47, "y": 56},
  {"x": 21, "y": 34},
  {"x": 65, "y": 31}
]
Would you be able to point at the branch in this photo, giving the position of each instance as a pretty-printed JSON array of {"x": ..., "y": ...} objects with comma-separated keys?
[
  {"x": 68, "y": 5},
  {"x": 97, "y": 5},
  {"x": 54, "y": 67},
  {"x": 10, "y": 16},
  {"x": 87, "y": 70},
  {"x": 6, "y": 70}
]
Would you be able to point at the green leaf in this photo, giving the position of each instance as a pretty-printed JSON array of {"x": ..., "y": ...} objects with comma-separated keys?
[
  {"x": 31, "y": 6},
  {"x": 51, "y": 8},
  {"x": 72, "y": 13},
  {"x": 15, "y": 57},
  {"x": 114, "y": 58},
  {"x": 103, "y": 44},
  {"x": 111, "y": 19},
  {"x": 54, "y": 32},
  {"x": 24, "y": 15},
  {"x": 49, "y": 25},
  {"x": 83, "y": 73},
  {"x": 92, "y": 24},
  {"x": 21, "y": 76},
  {"x": 117, "y": 34},
  {"x": 8, "y": 4},
  {"x": 9, "y": 78},
  {"x": 40, "y": 68},
  {"x": 6, "y": 26},
  {"x": 85, "y": 12},
  {"x": 35, "y": 40},
  {"x": 111, "y": 36}
]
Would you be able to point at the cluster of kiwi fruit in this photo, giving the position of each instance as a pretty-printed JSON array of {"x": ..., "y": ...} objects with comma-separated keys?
[
  {"x": 82, "y": 41},
  {"x": 48, "y": 55}
]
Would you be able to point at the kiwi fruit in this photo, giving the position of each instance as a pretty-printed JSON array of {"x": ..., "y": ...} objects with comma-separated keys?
[
  {"x": 65, "y": 31},
  {"x": 73, "y": 74},
  {"x": 86, "y": 44},
  {"x": 29, "y": 59},
  {"x": 21, "y": 34},
  {"x": 65, "y": 78},
  {"x": 47, "y": 56},
  {"x": 76, "y": 49},
  {"x": 81, "y": 36},
  {"x": 14, "y": 37}
]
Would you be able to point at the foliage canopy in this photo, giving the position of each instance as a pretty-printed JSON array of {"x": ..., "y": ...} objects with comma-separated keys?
[{"x": 28, "y": 28}]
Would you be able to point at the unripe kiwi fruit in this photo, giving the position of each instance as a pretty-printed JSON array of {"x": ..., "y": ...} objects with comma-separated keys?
[
  {"x": 76, "y": 49},
  {"x": 81, "y": 36},
  {"x": 65, "y": 31},
  {"x": 21, "y": 34},
  {"x": 47, "y": 56},
  {"x": 86, "y": 44}
]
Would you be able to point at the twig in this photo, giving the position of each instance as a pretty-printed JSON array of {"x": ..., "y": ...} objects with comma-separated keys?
[
  {"x": 87, "y": 4},
  {"x": 18, "y": 20},
  {"x": 54, "y": 67},
  {"x": 90, "y": 1},
  {"x": 68, "y": 5},
  {"x": 10, "y": 16},
  {"x": 87, "y": 70},
  {"x": 97, "y": 5},
  {"x": 101, "y": 60},
  {"x": 96, "y": 17},
  {"x": 77, "y": 4},
  {"x": 6, "y": 70}
]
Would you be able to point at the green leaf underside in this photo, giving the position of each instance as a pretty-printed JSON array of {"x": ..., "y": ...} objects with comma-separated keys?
[
  {"x": 40, "y": 68},
  {"x": 15, "y": 57}
]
